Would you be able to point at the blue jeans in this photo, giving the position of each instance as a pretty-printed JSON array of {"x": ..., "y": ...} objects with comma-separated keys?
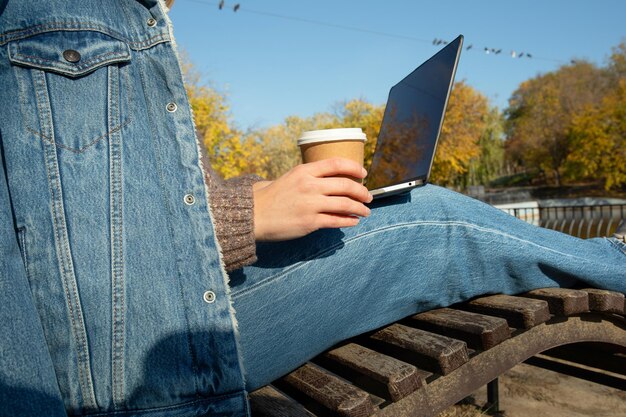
[{"x": 423, "y": 250}]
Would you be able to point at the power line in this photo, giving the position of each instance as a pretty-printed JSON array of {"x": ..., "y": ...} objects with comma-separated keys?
[{"x": 221, "y": 5}]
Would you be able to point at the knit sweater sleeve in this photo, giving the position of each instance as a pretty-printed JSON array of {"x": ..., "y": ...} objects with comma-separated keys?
[{"x": 232, "y": 205}]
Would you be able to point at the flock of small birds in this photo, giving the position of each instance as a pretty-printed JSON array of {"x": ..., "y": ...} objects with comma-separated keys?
[
  {"x": 436, "y": 41},
  {"x": 235, "y": 7},
  {"x": 514, "y": 54}
]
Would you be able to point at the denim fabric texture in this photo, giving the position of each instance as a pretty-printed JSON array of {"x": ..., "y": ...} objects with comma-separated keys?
[{"x": 104, "y": 266}]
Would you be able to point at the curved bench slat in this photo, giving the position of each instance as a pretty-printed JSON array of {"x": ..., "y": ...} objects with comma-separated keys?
[
  {"x": 426, "y": 350},
  {"x": 268, "y": 402},
  {"x": 519, "y": 312},
  {"x": 384, "y": 375},
  {"x": 562, "y": 301},
  {"x": 477, "y": 330},
  {"x": 335, "y": 395},
  {"x": 605, "y": 301}
]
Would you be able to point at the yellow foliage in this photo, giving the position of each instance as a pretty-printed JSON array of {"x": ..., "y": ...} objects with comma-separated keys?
[
  {"x": 272, "y": 151},
  {"x": 279, "y": 143},
  {"x": 464, "y": 123},
  {"x": 541, "y": 112},
  {"x": 367, "y": 116},
  {"x": 599, "y": 140},
  {"x": 230, "y": 154}
]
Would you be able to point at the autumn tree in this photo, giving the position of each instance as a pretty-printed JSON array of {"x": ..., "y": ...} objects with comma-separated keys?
[
  {"x": 464, "y": 124},
  {"x": 277, "y": 145},
  {"x": 599, "y": 140},
  {"x": 270, "y": 152},
  {"x": 367, "y": 116},
  {"x": 466, "y": 121},
  {"x": 229, "y": 152},
  {"x": 617, "y": 63},
  {"x": 541, "y": 113}
]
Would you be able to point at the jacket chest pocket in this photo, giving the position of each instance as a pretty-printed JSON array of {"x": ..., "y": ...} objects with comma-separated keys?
[{"x": 73, "y": 85}]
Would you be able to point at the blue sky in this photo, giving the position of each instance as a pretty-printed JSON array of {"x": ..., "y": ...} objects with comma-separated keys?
[{"x": 275, "y": 58}]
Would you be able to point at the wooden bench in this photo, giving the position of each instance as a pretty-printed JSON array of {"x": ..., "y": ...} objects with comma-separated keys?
[{"x": 421, "y": 365}]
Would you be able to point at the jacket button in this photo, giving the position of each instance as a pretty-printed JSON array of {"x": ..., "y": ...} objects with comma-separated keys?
[
  {"x": 171, "y": 107},
  {"x": 71, "y": 55},
  {"x": 189, "y": 199},
  {"x": 209, "y": 297},
  {"x": 151, "y": 22}
]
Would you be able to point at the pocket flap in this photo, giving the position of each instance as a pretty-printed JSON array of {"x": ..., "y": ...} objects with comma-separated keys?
[{"x": 69, "y": 53}]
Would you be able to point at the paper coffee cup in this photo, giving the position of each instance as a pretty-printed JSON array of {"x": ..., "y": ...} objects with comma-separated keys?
[{"x": 316, "y": 145}]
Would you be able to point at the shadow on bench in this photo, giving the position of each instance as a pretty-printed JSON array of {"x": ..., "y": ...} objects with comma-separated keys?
[{"x": 425, "y": 363}]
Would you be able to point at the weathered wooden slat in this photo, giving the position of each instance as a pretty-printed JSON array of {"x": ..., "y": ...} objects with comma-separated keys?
[
  {"x": 426, "y": 350},
  {"x": 519, "y": 312},
  {"x": 381, "y": 374},
  {"x": 269, "y": 402},
  {"x": 562, "y": 301},
  {"x": 331, "y": 393},
  {"x": 477, "y": 330},
  {"x": 605, "y": 301}
]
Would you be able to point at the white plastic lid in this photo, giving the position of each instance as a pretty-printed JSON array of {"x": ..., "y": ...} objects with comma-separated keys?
[{"x": 331, "y": 135}]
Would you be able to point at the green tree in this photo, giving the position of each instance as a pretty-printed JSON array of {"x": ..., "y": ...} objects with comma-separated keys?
[{"x": 490, "y": 162}]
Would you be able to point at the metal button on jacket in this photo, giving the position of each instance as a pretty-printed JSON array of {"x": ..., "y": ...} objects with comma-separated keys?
[
  {"x": 71, "y": 55},
  {"x": 171, "y": 107},
  {"x": 190, "y": 199},
  {"x": 209, "y": 297},
  {"x": 151, "y": 22}
]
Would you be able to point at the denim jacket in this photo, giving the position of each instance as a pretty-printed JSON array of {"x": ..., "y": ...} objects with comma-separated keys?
[{"x": 113, "y": 295}]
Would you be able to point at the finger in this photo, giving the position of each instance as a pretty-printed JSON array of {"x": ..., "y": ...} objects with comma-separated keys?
[
  {"x": 344, "y": 187},
  {"x": 343, "y": 206},
  {"x": 335, "y": 221},
  {"x": 336, "y": 166}
]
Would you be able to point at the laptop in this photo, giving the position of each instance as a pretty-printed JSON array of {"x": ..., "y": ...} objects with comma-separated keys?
[{"x": 411, "y": 125}]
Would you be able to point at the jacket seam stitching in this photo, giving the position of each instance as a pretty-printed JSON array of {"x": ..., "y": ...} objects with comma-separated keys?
[
  {"x": 66, "y": 266},
  {"x": 19, "y": 34},
  {"x": 100, "y": 59},
  {"x": 84, "y": 148}
]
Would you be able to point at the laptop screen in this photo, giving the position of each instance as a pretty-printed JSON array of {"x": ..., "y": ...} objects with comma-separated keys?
[{"x": 412, "y": 121}]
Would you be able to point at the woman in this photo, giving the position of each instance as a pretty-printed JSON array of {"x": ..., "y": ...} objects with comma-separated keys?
[{"x": 125, "y": 264}]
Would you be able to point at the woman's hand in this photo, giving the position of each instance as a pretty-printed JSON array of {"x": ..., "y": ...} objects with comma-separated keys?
[{"x": 310, "y": 197}]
